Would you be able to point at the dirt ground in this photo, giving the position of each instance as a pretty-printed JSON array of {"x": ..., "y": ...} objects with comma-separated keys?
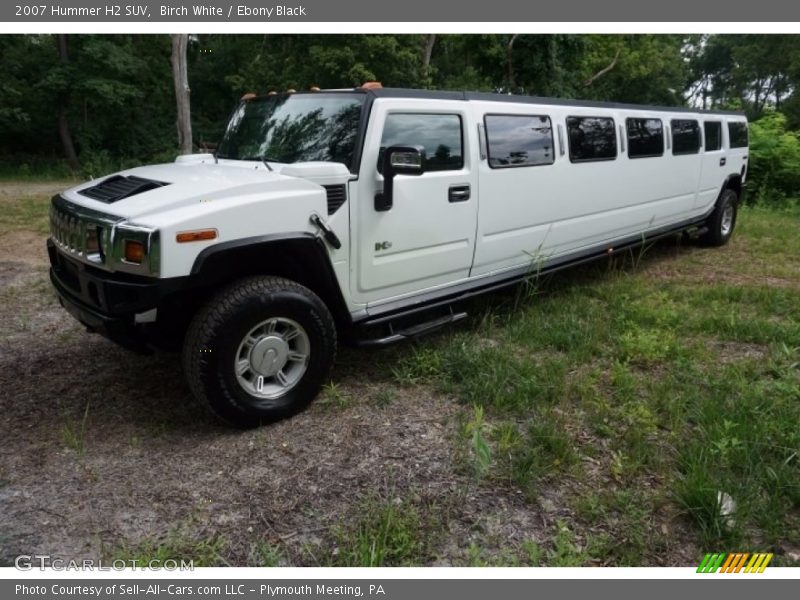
[{"x": 101, "y": 448}]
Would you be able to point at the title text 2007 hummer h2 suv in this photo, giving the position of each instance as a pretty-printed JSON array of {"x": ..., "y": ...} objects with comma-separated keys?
[{"x": 371, "y": 213}]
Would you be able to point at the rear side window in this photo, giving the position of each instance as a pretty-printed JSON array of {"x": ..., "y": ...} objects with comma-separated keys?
[
  {"x": 713, "y": 135},
  {"x": 737, "y": 132},
  {"x": 685, "y": 136},
  {"x": 591, "y": 138},
  {"x": 519, "y": 140},
  {"x": 440, "y": 135},
  {"x": 645, "y": 137}
]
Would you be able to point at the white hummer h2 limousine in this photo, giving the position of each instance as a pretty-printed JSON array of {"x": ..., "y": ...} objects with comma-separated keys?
[{"x": 370, "y": 214}]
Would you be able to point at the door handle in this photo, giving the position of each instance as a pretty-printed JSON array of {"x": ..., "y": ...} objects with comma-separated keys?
[
  {"x": 458, "y": 193},
  {"x": 722, "y": 161}
]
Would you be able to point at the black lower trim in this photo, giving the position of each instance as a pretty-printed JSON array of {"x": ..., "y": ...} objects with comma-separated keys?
[
  {"x": 120, "y": 330},
  {"x": 112, "y": 294},
  {"x": 107, "y": 303}
]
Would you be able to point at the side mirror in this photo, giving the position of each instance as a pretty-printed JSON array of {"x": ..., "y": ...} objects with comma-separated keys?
[{"x": 398, "y": 160}]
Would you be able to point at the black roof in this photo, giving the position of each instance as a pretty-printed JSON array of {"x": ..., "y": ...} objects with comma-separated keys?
[
  {"x": 489, "y": 97},
  {"x": 512, "y": 98}
]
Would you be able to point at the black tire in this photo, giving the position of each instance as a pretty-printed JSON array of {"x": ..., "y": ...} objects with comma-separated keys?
[
  {"x": 720, "y": 228},
  {"x": 215, "y": 342}
]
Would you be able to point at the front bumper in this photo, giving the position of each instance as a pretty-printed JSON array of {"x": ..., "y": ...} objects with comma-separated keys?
[{"x": 107, "y": 303}]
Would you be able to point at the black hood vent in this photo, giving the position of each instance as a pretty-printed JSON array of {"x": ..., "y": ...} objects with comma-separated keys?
[
  {"x": 337, "y": 194},
  {"x": 118, "y": 187}
]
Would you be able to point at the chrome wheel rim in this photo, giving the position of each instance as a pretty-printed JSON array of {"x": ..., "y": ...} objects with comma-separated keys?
[
  {"x": 272, "y": 358},
  {"x": 727, "y": 219}
]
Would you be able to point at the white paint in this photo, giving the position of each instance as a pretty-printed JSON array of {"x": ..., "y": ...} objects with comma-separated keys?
[{"x": 514, "y": 216}]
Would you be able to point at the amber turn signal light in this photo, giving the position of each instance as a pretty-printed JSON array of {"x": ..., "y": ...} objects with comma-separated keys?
[
  {"x": 134, "y": 251},
  {"x": 196, "y": 236}
]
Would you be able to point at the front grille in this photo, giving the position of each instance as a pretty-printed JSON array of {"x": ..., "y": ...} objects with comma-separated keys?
[
  {"x": 337, "y": 194},
  {"x": 81, "y": 236},
  {"x": 118, "y": 187}
]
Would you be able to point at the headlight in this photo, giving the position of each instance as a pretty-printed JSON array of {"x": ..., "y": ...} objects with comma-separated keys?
[{"x": 136, "y": 249}]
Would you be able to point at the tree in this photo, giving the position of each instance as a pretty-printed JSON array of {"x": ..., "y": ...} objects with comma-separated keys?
[
  {"x": 180, "y": 77},
  {"x": 107, "y": 102},
  {"x": 63, "y": 103},
  {"x": 752, "y": 72},
  {"x": 429, "y": 41}
]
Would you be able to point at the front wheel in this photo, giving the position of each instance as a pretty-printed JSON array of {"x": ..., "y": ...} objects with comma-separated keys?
[
  {"x": 259, "y": 350},
  {"x": 722, "y": 221}
]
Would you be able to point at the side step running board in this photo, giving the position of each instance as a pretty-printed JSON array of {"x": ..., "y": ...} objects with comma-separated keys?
[{"x": 413, "y": 331}]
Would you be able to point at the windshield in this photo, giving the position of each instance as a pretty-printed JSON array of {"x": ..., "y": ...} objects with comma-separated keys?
[{"x": 294, "y": 128}]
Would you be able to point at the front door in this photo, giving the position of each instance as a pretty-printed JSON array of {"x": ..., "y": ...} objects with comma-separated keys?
[{"x": 426, "y": 239}]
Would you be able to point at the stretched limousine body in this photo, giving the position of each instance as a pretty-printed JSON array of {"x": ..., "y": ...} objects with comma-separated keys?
[{"x": 372, "y": 213}]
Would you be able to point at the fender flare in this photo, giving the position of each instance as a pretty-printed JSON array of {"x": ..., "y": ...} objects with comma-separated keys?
[{"x": 304, "y": 259}]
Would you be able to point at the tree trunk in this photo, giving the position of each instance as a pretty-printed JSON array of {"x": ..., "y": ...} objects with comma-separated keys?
[
  {"x": 430, "y": 41},
  {"x": 180, "y": 78},
  {"x": 63, "y": 102},
  {"x": 510, "y": 63}
]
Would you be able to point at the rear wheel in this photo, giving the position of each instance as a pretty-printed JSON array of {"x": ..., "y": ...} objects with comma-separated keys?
[
  {"x": 722, "y": 221},
  {"x": 259, "y": 350}
]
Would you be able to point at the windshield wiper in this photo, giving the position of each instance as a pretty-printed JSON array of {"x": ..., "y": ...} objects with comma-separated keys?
[{"x": 264, "y": 159}]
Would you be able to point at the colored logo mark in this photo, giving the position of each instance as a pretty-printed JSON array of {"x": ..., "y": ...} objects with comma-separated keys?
[{"x": 735, "y": 562}]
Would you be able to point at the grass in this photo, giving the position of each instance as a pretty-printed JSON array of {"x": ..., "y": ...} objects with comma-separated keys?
[
  {"x": 74, "y": 432},
  {"x": 25, "y": 213},
  {"x": 654, "y": 398},
  {"x": 384, "y": 532},
  {"x": 179, "y": 546},
  {"x": 676, "y": 374}
]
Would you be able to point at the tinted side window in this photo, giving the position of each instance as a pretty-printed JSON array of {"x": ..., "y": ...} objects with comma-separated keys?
[
  {"x": 440, "y": 135},
  {"x": 685, "y": 136},
  {"x": 737, "y": 131},
  {"x": 713, "y": 133},
  {"x": 591, "y": 138},
  {"x": 519, "y": 140},
  {"x": 645, "y": 137}
]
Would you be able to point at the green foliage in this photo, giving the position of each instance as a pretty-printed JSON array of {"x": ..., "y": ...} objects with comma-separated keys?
[
  {"x": 74, "y": 433},
  {"x": 774, "y": 159},
  {"x": 750, "y": 72},
  {"x": 385, "y": 533},
  {"x": 482, "y": 454},
  {"x": 121, "y": 107},
  {"x": 178, "y": 546},
  {"x": 666, "y": 397}
]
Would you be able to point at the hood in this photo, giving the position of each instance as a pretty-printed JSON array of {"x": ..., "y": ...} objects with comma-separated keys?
[{"x": 136, "y": 193}]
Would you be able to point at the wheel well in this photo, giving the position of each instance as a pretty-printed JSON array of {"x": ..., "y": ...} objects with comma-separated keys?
[
  {"x": 734, "y": 182},
  {"x": 301, "y": 259}
]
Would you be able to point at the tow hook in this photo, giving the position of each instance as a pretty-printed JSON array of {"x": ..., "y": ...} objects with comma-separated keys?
[{"x": 327, "y": 232}]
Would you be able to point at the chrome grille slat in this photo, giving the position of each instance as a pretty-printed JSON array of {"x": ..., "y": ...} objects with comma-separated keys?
[{"x": 70, "y": 230}]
